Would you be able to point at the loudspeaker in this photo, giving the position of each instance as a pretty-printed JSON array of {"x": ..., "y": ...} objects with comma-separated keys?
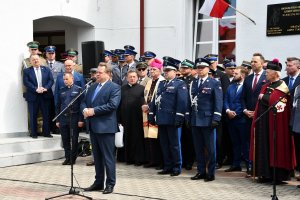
[{"x": 92, "y": 54}]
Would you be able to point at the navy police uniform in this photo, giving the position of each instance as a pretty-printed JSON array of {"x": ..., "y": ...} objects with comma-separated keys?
[
  {"x": 169, "y": 108},
  {"x": 206, "y": 108},
  {"x": 66, "y": 95}
]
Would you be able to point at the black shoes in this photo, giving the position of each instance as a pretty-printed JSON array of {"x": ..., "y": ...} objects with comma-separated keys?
[
  {"x": 209, "y": 178},
  {"x": 175, "y": 173},
  {"x": 234, "y": 169},
  {"x": 218, "y": 166},
  {"x": 34, "y": 137},
  {"x": 94, "y": 187},
  {"x": 198, "y": 176},
  {"x": 66, "y": 162},
  {"x": 188, "y": 167},
  {"x": 109, "y": 189},
  {"x": 206, "y": 177},
  {"x": 149, "y": 165},
  {"x": 164, "y": 172},
  {"x": 48, "y": 136}
]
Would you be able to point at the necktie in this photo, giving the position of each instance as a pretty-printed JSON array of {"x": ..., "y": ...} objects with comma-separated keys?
[
  {"x": 255, "y": 82},
  {"x": 51, "y": 65},
  {"x": 291, "y": 82},
  {"x": 236, "y": 89},
  {"x": 96, "y": 91},
  {"x": 200, "y": 83},
  {"x": 39, "y": 76}
]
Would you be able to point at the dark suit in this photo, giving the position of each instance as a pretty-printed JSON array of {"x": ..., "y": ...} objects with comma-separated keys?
[
  {"x": 236, "y": 125},
  {"x": 103, "y": 126},
  {"x": 296, "y": 83},
  {"x": 249, "y": 98},
  {"x": 222, "y": 142},
  {"x": 294, "y": 119},
  {"x": 38, "y": 101},
  {"x": 78, "y": 80}
]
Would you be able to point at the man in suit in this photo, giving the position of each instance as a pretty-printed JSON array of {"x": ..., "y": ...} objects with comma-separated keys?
[
  {"x": 295, "y": 122},
  {"x": 69, "y": 68},
  {"x": 99, "y": 106},
  {"x": 251, "y": 89},
  {"x": 236, "y": 119},
  {"x": 292, "y": 81},
  {"x": 204, "y": 116},
  {"x": 38, "y": 81},
  {"x": 169, "y": 107},
  {"x": 66, "y": 95}
]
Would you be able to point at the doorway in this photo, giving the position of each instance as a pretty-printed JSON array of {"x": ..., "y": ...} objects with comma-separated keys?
[{"x": 55, "y": 38}]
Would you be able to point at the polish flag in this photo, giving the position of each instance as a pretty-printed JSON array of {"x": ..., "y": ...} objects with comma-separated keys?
[{"x": 214, "y": 8}]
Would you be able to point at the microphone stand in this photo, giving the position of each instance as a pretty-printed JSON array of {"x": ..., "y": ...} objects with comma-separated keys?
[
  {"x": 72, "y": 190},
  {"x": 274, "y": 110}
]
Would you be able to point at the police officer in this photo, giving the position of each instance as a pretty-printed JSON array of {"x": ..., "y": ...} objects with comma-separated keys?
[
  {"x": 66, "y": 95},
  {"x": 130, "y": 58},
  {"x": 119, "y": 73},
  {"x": 188, "y": 152},
  {"x": 72, "y": 54},
  {"x": 149, "y": 56},
  {"x": 169, "y": 107},
  {"x": 218, "y": 74},
  {"x": 33, "y": 48},
  {"x": 205, "y": 114}
]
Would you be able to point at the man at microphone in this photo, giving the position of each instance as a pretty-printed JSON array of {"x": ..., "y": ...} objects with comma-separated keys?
[{"x": 65, "y": 122}]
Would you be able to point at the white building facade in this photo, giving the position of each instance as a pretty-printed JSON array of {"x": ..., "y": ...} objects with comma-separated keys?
[{"x": 169, "y": 31}]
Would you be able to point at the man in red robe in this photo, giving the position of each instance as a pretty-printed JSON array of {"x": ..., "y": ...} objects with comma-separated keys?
[{"x": 262, "y": 144}]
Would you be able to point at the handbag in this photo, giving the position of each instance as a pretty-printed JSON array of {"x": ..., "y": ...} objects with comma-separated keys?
[{"x": 119, "y": 137}]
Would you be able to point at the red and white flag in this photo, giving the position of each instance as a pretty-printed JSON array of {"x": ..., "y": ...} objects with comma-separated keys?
[{"x": 214, "y": 8}]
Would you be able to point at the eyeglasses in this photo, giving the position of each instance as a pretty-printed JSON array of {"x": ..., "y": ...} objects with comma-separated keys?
[{"x": 141, "y": 69}]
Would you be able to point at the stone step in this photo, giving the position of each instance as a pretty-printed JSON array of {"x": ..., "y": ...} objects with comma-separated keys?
[
  {"x": 10, "y": 159},
  {"x": 13, "y": 135},
  {"x": 23, "y": 149},
  {"x": 28, "y": 144}
]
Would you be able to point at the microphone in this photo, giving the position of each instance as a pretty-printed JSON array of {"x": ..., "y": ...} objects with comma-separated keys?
[{"x": 93, "y": 79}]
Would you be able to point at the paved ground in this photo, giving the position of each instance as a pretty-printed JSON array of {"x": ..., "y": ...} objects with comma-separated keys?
[{"x": 47, "y": 179}]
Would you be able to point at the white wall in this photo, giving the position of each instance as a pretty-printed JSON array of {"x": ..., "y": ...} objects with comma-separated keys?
[
  {"x": 168, "y": 31},
  {"x": 252, "y": 38},
  {"x": 16, "y": 30},
  {"x": 168, "y": 26}
]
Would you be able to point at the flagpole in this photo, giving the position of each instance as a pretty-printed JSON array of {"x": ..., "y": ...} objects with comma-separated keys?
[{"x": 242, "y": 14}]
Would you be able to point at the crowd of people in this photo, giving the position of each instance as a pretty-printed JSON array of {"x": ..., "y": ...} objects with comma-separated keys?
[{"x": 174, "y": 113}]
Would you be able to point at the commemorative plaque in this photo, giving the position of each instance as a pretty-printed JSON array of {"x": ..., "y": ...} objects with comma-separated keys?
[{"x": 283, "y": 19}]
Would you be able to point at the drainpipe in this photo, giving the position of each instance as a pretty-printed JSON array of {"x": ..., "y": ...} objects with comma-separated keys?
[{"x": 142, "y": 24}]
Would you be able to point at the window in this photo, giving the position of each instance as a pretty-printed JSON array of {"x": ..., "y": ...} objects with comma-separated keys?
[{"x": 213, "y": 35}]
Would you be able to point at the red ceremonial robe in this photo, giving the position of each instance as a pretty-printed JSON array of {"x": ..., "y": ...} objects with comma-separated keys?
[{"x": 285, "y": 150}]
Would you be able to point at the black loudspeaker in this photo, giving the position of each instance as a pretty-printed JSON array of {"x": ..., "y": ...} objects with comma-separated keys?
[{"x": 92, "y": 54}]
